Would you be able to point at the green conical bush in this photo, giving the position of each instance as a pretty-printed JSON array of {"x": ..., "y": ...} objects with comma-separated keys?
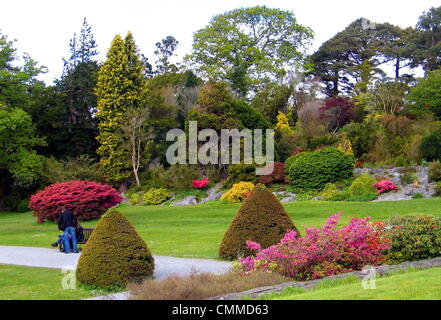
[
  {"x": 115, "y": 254},
  {"x": 261, "y": 218}
]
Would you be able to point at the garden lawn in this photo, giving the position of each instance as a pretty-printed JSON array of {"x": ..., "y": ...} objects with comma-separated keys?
[
  {"x": 197, "y": 231},
  {"x": 26, "y": 283},
  {"x": 408, "y": 285}
]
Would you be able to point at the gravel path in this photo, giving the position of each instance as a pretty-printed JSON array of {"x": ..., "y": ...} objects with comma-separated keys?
[{"x": 52, "y": 258}]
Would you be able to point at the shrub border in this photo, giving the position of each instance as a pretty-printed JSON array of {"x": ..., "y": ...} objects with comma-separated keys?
[{"x": 381, "y": 270}]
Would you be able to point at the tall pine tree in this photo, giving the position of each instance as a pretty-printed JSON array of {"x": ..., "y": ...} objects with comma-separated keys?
[
  {"x": 121, "y": 81},
  {"x": 77, "y": 84}
]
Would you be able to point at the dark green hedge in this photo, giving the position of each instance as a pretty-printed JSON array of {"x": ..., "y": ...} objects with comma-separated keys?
[
  {"x": 313, "y": 170},
  {"x": 431, "y": 147}
]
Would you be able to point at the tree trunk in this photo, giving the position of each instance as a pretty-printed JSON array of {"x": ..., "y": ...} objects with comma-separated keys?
[{"x": 135, "y": 173}]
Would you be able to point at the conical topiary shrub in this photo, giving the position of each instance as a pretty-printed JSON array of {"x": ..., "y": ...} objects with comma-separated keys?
[
  {"x": 261, "y": 218},
  {"x": 115, "y": 254}
]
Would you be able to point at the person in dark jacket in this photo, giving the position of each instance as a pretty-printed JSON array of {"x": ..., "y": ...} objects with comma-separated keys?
[{"x": 67, "y": 223}]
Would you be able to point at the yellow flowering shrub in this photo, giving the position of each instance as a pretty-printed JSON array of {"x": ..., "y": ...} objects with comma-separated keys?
[
  {"x": 155, "y": 196},
  {"x": 238, "y": 192},
  {"x": 345, "y": 145},
  {"x": 283, "y": 124}
]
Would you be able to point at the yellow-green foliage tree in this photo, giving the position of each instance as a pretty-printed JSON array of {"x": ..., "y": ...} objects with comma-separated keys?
[
  {"x": 261, "y": 218},
  {"x": 121, "y": 85},
  {"x": 283, "y": 124},
  {"x": 115, "y": 254}
]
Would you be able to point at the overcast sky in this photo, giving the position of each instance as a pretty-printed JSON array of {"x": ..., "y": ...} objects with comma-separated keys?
[{"x": 43, "y": 28}]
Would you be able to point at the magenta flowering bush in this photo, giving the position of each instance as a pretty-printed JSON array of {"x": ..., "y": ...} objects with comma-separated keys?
[
  {"x": 385, "y": 186},
  {"x": 200, "y": 184},
  {"x": 322, "y": 252}
]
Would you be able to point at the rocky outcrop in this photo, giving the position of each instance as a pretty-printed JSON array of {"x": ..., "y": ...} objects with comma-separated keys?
[
  {"x": 213, "y": 194},
  {"x": 405, "y": 191},
  {"x": 285, "y": 196},
  {"x": 187, "y": 201}
]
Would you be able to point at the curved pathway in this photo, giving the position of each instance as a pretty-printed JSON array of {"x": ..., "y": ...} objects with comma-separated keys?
[{"x": 52, "y": 258}]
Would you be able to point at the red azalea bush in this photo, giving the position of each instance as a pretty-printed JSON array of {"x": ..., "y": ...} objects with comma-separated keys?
[
  {"x": 385, "y": 186},
  {"x": 278, "y": 175},
  {"x": 322, "y": 252},
  {"x": 200, "y": 184},
  {"x": 87, "y": 199}
]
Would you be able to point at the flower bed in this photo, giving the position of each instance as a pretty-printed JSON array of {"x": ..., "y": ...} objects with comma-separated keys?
[
  {"x": 329, "y": 250},
  {"x": 322, "y": 252}
]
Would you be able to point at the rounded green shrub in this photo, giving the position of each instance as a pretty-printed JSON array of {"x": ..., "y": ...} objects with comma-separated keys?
[
  {"x": 417, "y": 196},
  {"x": 135, "y": 199},
  {"x": 365, "y": 197},
  {"x": 241, "y": 172},
  {"x": 438, "y": 189},
  {"x": 115, "y": 254},
  {"x": 155, "y": 196},
  {"x": 290, "y": 160},
  {"x": 329, "y": 192},
  {"x": 414, "y": 238},
  {"x": 23, "y": 206},
  {"x": 261, "y": 218},
  {"x": 435, "y": 172},
  {"x": 431, "y": 147},
  {"x": 313, "y": 170},
  {"x": 362, "y": 186}
]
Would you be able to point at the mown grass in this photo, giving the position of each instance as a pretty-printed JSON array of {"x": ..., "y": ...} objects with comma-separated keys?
[
  {"x": 409, "y": 285},
  {"x": 26, "y": 283},
  {"x": 197, "y": 231}
]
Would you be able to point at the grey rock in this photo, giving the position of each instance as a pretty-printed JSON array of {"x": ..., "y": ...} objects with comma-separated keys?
[
  {"x": 187, "y": 201},
  {"x": 124, "y": 196},
  {"x": 288, "y": 199},
  {"x": 154, "y": 163},
  {"x": 393, "y": 196},
  {"x": 405, "y": 192},
  {"x": 284, "y": 194},
  {"x": 317, "y": 198},
  {"x": 213, "y": 197},
  {"x": 423, "y": 175},
  {"x": 214, "y": 189}
]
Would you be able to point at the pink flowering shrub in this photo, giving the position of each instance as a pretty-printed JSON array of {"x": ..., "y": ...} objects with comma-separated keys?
[
  {"x": 322, "y": 252},
  {"x": 200, "y": 184},
  {"x": 385, "y": 186},
  {"x": 87, "y": 199}
]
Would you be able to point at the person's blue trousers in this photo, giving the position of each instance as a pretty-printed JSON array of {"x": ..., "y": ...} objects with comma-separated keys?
[{"x": 70, "y": 231}]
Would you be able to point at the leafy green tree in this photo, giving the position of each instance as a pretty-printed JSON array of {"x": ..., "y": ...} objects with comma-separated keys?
[
  {"x": 169, "y": 98},
  {"x": 247, "y": 45},
  {"x": 396, "y": 48},
  {"x": 275, "y": 98},
  {"x": 121, "y": 82},
  {"x": 426, "y": 95},
  {"x": 50, "y": 119},
  {"x": 17, "y": 142},
  {"x": 385, "y": 96},
  {"x": 18, "y": 79},
  {"x": 218, "y": 109},
  {"x": 77, "y": 84},
  {"x": 425, "y": 45},
  {"x": 164, "y": 51},
  {"x": 349, "y": 61}
]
